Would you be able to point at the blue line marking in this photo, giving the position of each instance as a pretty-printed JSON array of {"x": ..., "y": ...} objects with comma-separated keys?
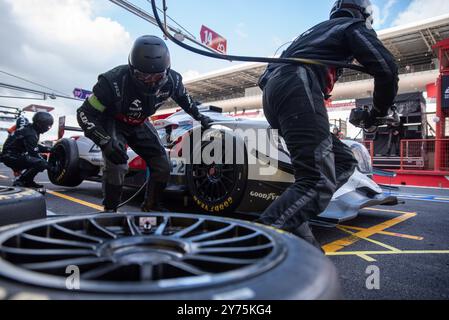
[{"x": 419, "y": 197}]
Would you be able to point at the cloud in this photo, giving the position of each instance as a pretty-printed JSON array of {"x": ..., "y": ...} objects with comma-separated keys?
[
  {"x": 240, "y": 31},
  {"x": 381, "y": 15},
  {"x": 61, "y": 44},
  {"x": 422, "y": 9},
  {"x": 190, "y": 74}
]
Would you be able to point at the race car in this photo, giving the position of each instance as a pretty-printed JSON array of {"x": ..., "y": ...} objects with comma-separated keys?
[{"x": 246, "y": 180}]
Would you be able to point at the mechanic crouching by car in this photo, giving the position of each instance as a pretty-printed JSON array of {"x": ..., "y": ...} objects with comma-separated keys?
[
  {"x": 293, "y": 104},
  {"x": 22, "y": 150},
  {"x": 117, "y": 113}
]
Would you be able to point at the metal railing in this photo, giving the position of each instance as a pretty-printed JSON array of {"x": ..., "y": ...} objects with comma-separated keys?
[{"x": 425, "y": 155}]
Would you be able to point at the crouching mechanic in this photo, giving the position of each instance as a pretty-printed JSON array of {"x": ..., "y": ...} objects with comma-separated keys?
[
  {"x": 22, "y": 150},
  {"x": 293, "y": 104},
  {"x": 117, "y": 113}
]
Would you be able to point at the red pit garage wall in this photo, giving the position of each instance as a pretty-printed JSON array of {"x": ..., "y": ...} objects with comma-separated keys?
[
  {"x": 418, "y": 179},
  {"x": 433, "y": 169}
]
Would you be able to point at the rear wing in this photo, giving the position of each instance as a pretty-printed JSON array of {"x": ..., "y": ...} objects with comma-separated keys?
[{"x": 62, "y": 128}]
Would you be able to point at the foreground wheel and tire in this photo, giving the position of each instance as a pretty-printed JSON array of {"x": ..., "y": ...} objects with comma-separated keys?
[
  {"x": 160, "y": 256},
  {"x": 65, "y": 159},
  {"x": 20, "y": 205}
]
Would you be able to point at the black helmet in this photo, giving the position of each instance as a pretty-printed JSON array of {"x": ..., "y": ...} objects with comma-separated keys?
[
  {"x": 42, "y": 122},
  {"x": 149, "y": 63},
  {"x": 359, "y": 9}
]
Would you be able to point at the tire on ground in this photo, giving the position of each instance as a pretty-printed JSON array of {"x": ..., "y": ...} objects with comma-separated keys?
[
  {"x": 20, "y": 205},
  {"x": 66, "y": 158},
  {"x": 204, "y": 194},
  {"x": 300, "y": 272}
]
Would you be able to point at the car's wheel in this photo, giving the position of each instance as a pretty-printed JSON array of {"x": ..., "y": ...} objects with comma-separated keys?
[
  {"x": 20, "y": 205},
  {"x": 160, "y": 256},
  {"x": 65, "y": 158},
  {"x": 218, "y": 188}
]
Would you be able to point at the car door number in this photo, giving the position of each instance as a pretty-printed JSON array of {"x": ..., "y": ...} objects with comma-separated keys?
[{"x": 178, "y": 167}]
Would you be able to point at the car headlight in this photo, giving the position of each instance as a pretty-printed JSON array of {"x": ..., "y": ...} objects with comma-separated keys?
[{"x": 363, "y": 158}]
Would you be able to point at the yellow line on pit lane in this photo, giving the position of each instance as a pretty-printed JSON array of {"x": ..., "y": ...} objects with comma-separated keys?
[
  {"x": 378, "y": 253},
  {"x": 388, "y": 211},
  {"x": 345, "y": 242},
  {"x": 386, "y": 233},
  {"x": 386, "y": 246},
  {"x": 81, "y": 202},
  {"x": 367, "y": 258}
]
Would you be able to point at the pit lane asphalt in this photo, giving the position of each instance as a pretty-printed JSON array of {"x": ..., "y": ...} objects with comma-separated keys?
[{"x": 409, "y": 243}]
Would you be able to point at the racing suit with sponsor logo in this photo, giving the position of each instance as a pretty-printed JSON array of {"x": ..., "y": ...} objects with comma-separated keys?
[
  {"x": 117, "y": 110},
  {"x": 21, "y": 151},
  {"x": 293, "y": 100}
]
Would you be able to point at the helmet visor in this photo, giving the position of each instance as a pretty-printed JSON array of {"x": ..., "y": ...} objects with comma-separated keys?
[
  {"x": 150, "y": 79},
  {"x": 46, "y": 128}
]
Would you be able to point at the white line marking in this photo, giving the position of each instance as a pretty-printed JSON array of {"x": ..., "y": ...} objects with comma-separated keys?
[{"x": 415, "y": 187}]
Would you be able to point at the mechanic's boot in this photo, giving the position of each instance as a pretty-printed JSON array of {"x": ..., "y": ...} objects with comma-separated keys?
[
  {"x": 19, "y": 183},
  {"x": 26, "y": 180},
  {"x": 304, "y": 232},
  {"x": 112, "y": 197},
  {"x": 28, "y": 176},
  {"x": 153, "y": 202},
  {"x": 34, "y": 185}
]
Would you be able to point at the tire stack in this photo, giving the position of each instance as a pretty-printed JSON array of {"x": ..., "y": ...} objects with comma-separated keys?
[{"x": 20, "y": 205}]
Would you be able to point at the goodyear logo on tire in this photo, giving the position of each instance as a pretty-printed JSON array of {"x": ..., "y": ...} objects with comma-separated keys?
[{"x": 214, "y": 208}]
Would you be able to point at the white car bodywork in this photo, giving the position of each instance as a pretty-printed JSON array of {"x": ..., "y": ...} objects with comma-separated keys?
[{"x": 359, "y": 192}]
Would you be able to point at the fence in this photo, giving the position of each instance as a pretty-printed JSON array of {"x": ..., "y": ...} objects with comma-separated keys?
[
  {"x": 425, "y": 155},
  {"x": 416, "y": 155}
]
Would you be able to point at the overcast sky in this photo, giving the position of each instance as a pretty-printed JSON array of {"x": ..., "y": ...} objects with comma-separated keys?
[{"x": 64, "y": 44}]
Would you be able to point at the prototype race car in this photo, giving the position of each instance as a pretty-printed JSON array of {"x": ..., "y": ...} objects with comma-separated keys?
[{"x": 248, "y": 181}]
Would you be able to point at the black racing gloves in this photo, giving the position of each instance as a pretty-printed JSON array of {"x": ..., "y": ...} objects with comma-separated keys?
[
  {"x": 206, "y": 122},
  {"x": 364, "y": 118},
  {"x": 115, "y": 152},
  {"x": 45, "y": 149},
  {"x": 370, "y": 120}
]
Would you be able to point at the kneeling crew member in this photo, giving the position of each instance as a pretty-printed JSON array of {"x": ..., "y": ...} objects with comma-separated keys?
[{"x": 21, "y": 150}]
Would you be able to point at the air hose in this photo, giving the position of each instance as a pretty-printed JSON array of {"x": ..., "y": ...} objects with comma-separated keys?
[
  {"x": 121, "y": 205},
  {"x": 231, "y": 58},
  {"x": 134, "y": 196}
]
